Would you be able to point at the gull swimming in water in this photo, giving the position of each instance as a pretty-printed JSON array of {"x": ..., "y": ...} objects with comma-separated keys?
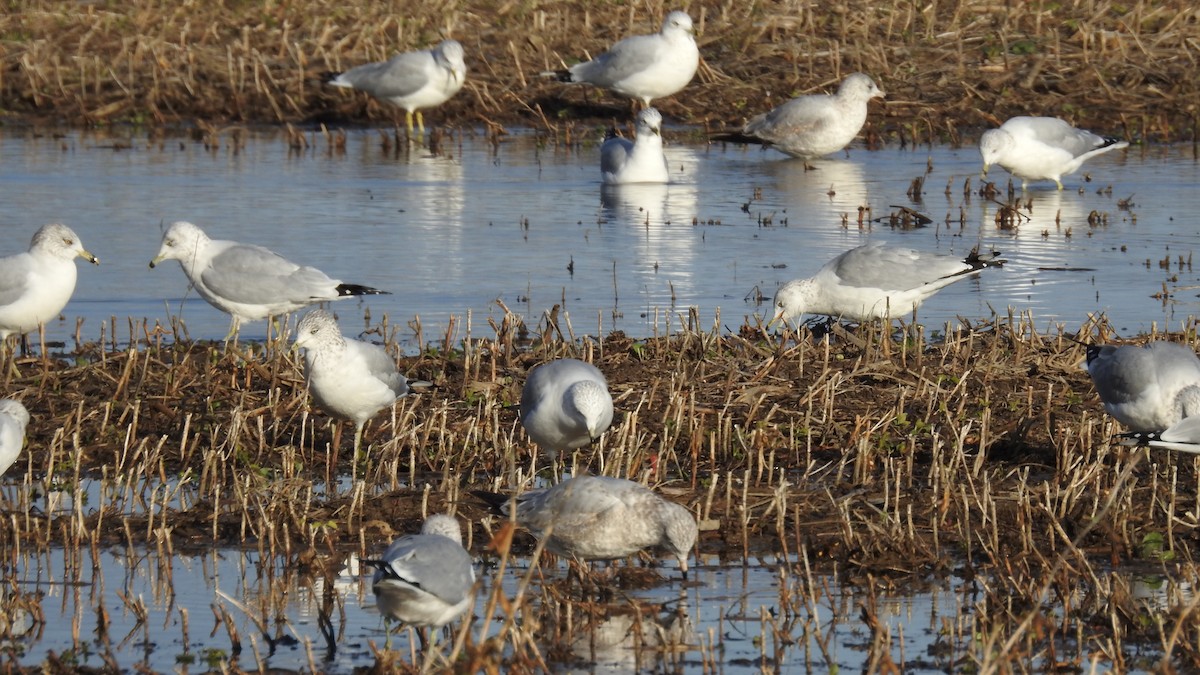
[
  {"x": 349, "y": 379},
  {"x": 640, "y": 161},
  {"x": 1042, "y": 148},
  {"x": 601, "y": 518},
  {"x": 1154, "y": 389},
  {"x": 565, "y": 405},
  {"x": 876, "y": 281},
  {"x": 246, "y": 281},
  {"x": 815, "y": 125},
  {"x": 13, "y": 420},
  {"x": 643, "y": 67},
  {"x": 425, "y": 580},
  {"x": 412, "y": 80},
  {"x": 37, "y": 284}
]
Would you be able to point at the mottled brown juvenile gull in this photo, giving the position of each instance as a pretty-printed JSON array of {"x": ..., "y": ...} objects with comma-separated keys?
[
  {"x": 349, "y": 379},
  {"x": 640, "y": 161},
  {"x": 815, "y": 125},
  {"x": 875, "y": 281},
  {"x": 1042, "y": 148},
  {"x": 36, "y": 285},
  {"x": 602, "y": 518},
  {"x": 1154, "y": 389},
  {"x": 246, "y": 281},
  {"x": 425, "y": 580},
  {"x": 13, "y": 420},
  {"x": 412, "y": 81},
  {"x": 643, "y": 67}
]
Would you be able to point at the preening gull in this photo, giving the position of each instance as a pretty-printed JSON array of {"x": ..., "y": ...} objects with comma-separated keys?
[
  {"x": 643, "y": 67},
  {"x": 1042, "y": 148},
  {"x": 412, "y": 80},
  {"x": 876, "y": 281},
  {"x": 1154, "y": 389},
  {"x": 565, "y": 405},
  {"x": 639, "y": 161}
]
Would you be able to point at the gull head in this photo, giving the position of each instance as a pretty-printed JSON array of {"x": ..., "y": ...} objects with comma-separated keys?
[
  {"x": 993, "y": 145},
  {"x": 444, "y": 526},
  {"x": 792, "y": 300},
  {"x": 60, "y": 241},
  {"x": 649, "y": 121},
  {"x": 678, "y": 21},
  {"x": 590, "y": 402},
  {"x": 679, "y": 532},
  {"x": 14, "y": 409},
  {"x": 450, "y": 54},
  {"x": 859, "y": 87},
  {"x": 181, "y": 242},
  {"x": 318, "y": 330}
]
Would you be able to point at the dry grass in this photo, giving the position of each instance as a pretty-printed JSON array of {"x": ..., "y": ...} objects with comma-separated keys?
[
  {"x": 1125, "y": 68},
  {"x": 983, "y": 456}
]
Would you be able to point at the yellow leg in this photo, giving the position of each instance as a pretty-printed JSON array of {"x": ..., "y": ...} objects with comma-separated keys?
[
  {"x": 408, "y": 117},
  {"x": 421, "y": 124}
]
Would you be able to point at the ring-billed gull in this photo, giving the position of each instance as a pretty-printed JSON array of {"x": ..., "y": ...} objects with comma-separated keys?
[
  {"x": 565, "y": 405},
  {"x": 814, "y": 125},
  {"x": 349, "y": 379},
  {"x": 601, "y": 518},
  {"x": 643, "y": 67},
  {"x": 36, "y": 285},
  {"x": 413, "y": 80},
  {"x": 425, "y": 580},
  {"x": 1149, "y": 387},
  {"x": 246, "y": 281},
  {"x": 876, "y": 281},
  {"x": 1041, "y": 148},
  {"x": 640, "y": 161},
  {"x": 13, "y": 420}
]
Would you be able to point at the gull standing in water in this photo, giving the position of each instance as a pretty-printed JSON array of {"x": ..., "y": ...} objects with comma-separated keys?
[
  {"x": 349, "y": 379},
  {"x": 815, "y": 125},
  {"x": 13, "y": 420},
  {"x": 1042, "y": 148},
  {"x": 565, "y": 405},
  {"x": 639, "y": 161},
  {"x": 412, "y": 81},
  {"x": 876, "y": 281},
  {"x": 643, "y": 67},
  {"x": 601, "y": 518},
  {"x": 1154, "y": 389},
  {"x": 36, "y": 285},
  {"x": 425, "y": 580},
  {"x": 246, "y": 281}
]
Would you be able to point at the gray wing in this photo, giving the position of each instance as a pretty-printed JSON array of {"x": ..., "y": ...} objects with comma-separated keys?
[
  {"x": 573, "y": 504},
  {"x": 628, "y": 57},
  {"x": 613, "y": 154},
  {"x": 380, "y": 364},
  {"x": 256, "y": 275},
  {"x": 14, "y": 277},
  {"x": 1058, "y": 134},
  {"x": 893, "y": 268},
  {"x": 399, "y": 76},
  {"x": 806, "y": 115},
  {"x": 433, "y": 563}
]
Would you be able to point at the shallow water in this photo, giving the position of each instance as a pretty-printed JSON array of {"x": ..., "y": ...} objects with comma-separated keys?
[{"x": 531, "y": 226}]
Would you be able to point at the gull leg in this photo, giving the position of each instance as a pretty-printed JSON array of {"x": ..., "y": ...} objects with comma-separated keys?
[
  {"x": 421, "y": 125},
  {"x": 408, "y": 125},
  {"x": 234, "y": 325},
  {"x": 1059, "y": 184}
]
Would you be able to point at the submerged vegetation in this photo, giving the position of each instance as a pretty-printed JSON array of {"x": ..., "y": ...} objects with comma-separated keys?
[{"x": 1125, "y": 68}]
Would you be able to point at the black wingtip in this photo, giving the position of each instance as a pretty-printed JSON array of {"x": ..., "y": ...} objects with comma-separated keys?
[
  {"x": 736, "y": 137},
  {"x": 355, "y": 289},
  {"x": 1111, "y": 140},
  {"x": 564, "y": 76},
  {"x": 496, "y": 501},
  {"x": 978, "y": 260},
  {"x": 330, "y": 75}
]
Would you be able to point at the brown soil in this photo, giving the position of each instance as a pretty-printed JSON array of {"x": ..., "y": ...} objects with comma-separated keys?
[{"x": 1125, "y": 69}]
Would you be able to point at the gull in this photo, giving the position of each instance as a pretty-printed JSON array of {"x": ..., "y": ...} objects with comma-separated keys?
[
  {"x": 413, "y": 80},
  {"x": 246, "y": 281},
  {"x": 349, "y": 379},
  {"x": 876, "y": 281},
  {"x": 13, "y": 420},
  {"x": 643, "y": 67},
  {"x": 36, "y": 285},
  {"x": 640, "y": 161},
  {"x": 814, "y": 125},
  {"x": 1148, "y": 388},
  {"x": 601, "y": 518},
  {"x": 1041, "y": 148},
  {"x": 425, "y": 580},
  {"x": 565, "y": 405}
]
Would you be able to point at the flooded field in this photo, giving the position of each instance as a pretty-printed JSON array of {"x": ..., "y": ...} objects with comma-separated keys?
[{"x": 950, "y": 501}]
